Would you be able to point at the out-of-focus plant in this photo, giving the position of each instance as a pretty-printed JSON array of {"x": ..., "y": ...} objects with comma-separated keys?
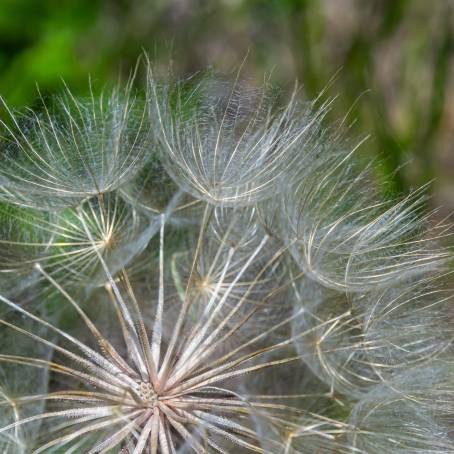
[{"x": 199, "y": 268}]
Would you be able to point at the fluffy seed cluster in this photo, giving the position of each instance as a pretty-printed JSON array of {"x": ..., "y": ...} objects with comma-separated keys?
[{"x": 201, "y": 269}]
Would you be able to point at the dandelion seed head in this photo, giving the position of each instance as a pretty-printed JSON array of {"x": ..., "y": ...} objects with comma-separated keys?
[
  {"x": 335, "y": 347},
  {"x": 386, "y": 422},
  {"x": 170, "y": 387},
  {"x": 199, "y": 270},
  {"x": 347, "y": 238},
  {"x": 60, "y": 241},
  {"x": 408, "y": 324},
  {"x": 76, "y": 150},
  {"x": 231, "y": 149}
]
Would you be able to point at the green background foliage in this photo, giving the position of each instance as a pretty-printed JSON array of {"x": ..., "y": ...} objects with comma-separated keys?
[{"x": 388, "y": 62}]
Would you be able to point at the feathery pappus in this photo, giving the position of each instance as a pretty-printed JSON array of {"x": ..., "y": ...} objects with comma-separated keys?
[{"x": 199, "y": 268}]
